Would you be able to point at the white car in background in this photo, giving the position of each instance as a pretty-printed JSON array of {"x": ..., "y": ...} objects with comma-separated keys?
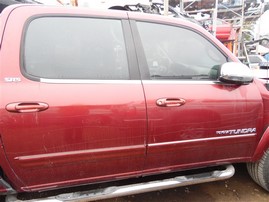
[{"x": 259, "y": 65}]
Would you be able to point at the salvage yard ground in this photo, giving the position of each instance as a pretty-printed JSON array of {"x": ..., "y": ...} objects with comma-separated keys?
[{"x": 238, "y": 188}]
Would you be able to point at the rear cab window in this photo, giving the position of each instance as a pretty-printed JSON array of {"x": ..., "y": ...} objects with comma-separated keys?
[{"x": 75, "y": 48}]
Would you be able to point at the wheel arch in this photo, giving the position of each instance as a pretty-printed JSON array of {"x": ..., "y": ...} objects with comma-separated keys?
[{"x": 262, "y": 146}]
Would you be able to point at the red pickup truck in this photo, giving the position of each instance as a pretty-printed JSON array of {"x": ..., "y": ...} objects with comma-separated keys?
[{"x": 91, "y": 96}]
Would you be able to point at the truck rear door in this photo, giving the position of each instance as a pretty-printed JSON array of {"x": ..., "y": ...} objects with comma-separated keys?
[{"x": 73, "y": 109}]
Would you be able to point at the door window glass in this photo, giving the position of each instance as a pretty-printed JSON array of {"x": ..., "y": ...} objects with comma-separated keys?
[
  {"x": 178, "y": 53},
  {"x": 75, "y": 48}
]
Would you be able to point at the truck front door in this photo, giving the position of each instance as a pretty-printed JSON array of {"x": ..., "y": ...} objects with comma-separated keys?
[{"x": 194, "y": 119}]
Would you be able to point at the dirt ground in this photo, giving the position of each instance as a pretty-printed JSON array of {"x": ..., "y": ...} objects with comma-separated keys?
[{"x": 238, "y": 188}]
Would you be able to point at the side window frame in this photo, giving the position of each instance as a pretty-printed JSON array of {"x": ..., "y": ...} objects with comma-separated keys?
[
  {"x": 142, "y": 60},
  {"x": 134, "y": 73}
]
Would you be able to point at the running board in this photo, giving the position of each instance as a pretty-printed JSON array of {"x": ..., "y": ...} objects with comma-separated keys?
[{"x": 118, "y": 191}]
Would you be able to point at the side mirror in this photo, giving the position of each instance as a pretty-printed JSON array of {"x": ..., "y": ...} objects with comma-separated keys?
[{"x": 235, "y": 73}]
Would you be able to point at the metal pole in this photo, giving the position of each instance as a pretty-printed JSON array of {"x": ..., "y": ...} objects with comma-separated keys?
[
  {"x": 215, "y": 15},
  {"x": 181, "y": 6},
  {"x": 166, "y": 4},
  {"x": 240, "y": 40}
]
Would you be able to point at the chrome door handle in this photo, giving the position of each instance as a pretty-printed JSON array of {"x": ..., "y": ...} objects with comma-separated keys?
[
  {"x": 22, "y": 107},
  {"x": 170, "y": 102}
]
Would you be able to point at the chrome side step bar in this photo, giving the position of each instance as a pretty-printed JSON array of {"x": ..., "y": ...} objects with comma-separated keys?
[{"x": 118, "y": 191}]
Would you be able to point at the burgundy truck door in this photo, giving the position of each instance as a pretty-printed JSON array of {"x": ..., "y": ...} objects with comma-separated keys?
[
  {"x": 73, "y": 108},
  {"x": 194, "y": 120}
]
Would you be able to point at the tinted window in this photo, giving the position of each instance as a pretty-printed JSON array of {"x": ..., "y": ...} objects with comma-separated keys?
[
  {"x": 178, "y": 53},
  {"x": 75, "y": 48}
]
